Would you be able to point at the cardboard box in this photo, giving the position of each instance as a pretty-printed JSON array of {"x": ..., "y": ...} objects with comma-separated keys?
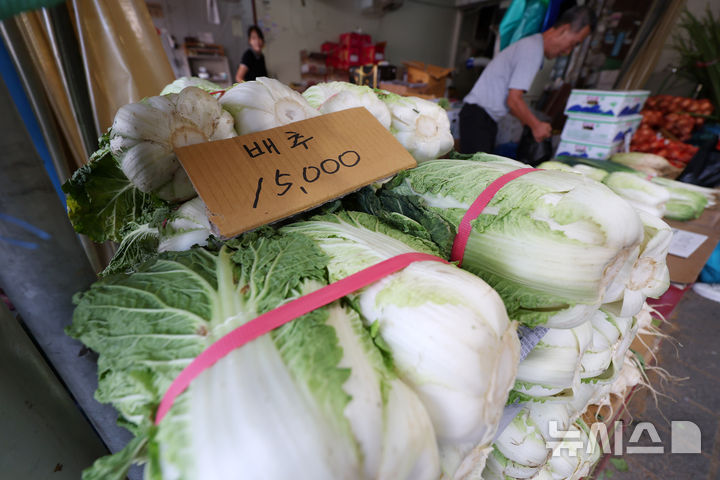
[
  {"x": 259, "y": 178},
  {"x": 406, "y": 89},
  {"x": 607, "y": 103},
  {"x": 686, "y": 270},
  {"x": 435, "y": 77},
  {"x": 710, "y": 217}
]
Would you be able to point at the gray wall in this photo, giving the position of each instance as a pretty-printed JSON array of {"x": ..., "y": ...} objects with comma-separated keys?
[
  {"x": 188, "y": 18},
  {"x": 417, "y": 31}
]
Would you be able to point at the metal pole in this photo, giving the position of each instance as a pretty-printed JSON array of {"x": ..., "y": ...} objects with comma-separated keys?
[
  {"x": 35, "y": 93},
  {"x": 68, "y": 56},
  {"x": 42, "y": 265}
]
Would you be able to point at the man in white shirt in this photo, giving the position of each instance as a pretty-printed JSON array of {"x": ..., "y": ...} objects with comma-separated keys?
[{"x": 508, "y": 76}]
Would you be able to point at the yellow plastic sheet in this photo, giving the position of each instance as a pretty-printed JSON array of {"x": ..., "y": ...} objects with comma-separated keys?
[
  {"x": 34, "y": 34},
  {"x": 123, "y": 56}
]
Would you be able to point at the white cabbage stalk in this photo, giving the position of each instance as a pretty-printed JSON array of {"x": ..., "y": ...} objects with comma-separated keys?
[
  {"x": 584, "y": 395},
  {"x": 551, "y": 243},
  {"x": 144, "y": 134},
  {"x": 448, "y": 332},
  {"x": 178, "y": 85},
  {"x": 709, "y": 193},
  {"x": 629, "y": 327},
  {"x": 569, "y": 463},
  {"x": 554, "y": 364},
  {"x": 562, "y": 464},
  {"x": 649, "y": 275},
  {"x": 543, "y": 474},
  {"x": 188, "y": 226},
  {"x": 591, "y": 172},
  {"x": 522, "y": 444},
  {"x": 500, "y": 467},
  {"x": 599, "y": 354},
  {"x": 645, "y": 318},
  {"x": 335, "y": 96},
  {"x": 265, "y": 103},
  {"x": 612, "y": 336},
  {"x": 628, "y": 375},
  {"x": 240, "y": 414},
  {"x": 619, "y": 333},
  {"x": 642, "y": 194},
  {"x": 644, "y": 273},
  {"x": 543, "y": 414},
  {"x": 555, "y": 165},
  {"x": 421, "y": 126},
  {"x": 586, "y": 170},
  {"x": 648, "y": 163},
  {"x": 685, "y": 203},
  {"x": 523, "y": 450}
]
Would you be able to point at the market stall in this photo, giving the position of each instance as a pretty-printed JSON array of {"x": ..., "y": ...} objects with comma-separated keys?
[{"x": 576, "y": 277}]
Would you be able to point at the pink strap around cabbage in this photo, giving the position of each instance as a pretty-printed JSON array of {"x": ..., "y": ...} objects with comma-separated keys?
[
  {"x": 281, "y": 315},
  {"x": 477, "y": 207}
]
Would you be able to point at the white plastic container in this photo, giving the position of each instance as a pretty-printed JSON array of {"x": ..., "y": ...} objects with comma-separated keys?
[
  {"x": 594, "y": 151},
  {"x": 606, "y": 131},
  {"x": 606, "y": 103}
]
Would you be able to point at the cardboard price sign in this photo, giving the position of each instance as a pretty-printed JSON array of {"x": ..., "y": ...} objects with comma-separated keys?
[{"x": 256, "y": 179}]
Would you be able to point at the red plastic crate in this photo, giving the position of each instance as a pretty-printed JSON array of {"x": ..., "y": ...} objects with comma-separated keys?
[
  {"x": 379, "y": 52},
  {"x": 354, "y": 40},
  {"x": 331, "y": 51},
  {"x": 329, "y": 47},
  {"x": 367, "y": 54},
  {"x": 349, "y": 57}
]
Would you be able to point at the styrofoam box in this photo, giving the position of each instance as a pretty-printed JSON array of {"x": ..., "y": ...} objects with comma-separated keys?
[
  {"x": 587, "y": 150},
  {"x": 607, "y": 103},
  {"x": 590, "y": 128}
]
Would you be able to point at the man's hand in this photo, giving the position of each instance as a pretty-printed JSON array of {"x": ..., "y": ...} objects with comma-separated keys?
[
  {"x": 541, "y": 131},
  {"x": 518, "y": 107}
]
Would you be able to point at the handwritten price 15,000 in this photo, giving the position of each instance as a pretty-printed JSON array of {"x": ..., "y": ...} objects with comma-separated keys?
[{"x": 310, "y": 174}]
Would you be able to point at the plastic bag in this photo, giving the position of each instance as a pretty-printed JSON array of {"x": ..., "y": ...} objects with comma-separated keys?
[
  {"x": 704, "y": 168},
  {"x": 711, "y": 272},
  {"x": 531, "y": 152},
  {"x": 523, "y": 18}
]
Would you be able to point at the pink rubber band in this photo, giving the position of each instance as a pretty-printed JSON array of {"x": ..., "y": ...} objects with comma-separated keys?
[
  {"x": 477, "y": 207},
  {"x": 283, "y": 314}
]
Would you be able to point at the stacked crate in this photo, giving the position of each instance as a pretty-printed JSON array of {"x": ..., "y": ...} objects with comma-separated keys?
[{"x": 600, "y": 122}]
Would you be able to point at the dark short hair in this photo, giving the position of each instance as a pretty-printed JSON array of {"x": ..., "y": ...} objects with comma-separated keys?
[
  {"x": 256, "y": 29},
  {"x": 578, "y": 18}
]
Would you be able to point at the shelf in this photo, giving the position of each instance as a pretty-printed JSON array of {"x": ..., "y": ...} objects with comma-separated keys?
[{"x": 206, "y": 57}]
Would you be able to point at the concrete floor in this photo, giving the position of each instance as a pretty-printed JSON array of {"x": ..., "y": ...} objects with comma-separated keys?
[
  {"x": 695, "y": 357},
  {"x": 43, "y": 435}
]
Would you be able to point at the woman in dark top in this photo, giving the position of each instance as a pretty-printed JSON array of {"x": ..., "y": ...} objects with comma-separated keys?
[{"x": 252, "y": 64}]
